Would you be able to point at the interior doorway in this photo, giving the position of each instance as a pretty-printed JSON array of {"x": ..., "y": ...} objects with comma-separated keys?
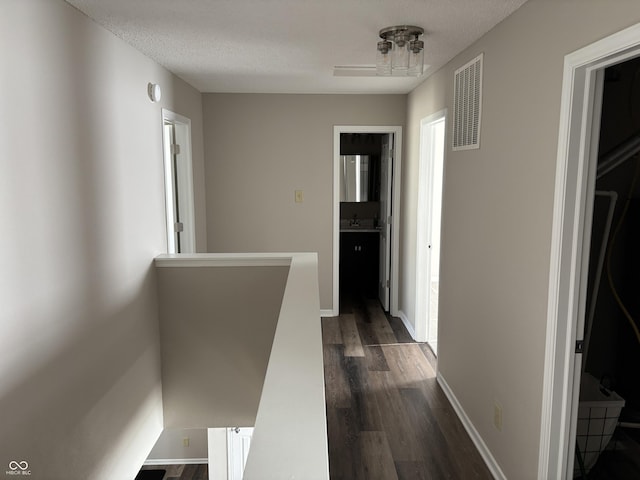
[
  {"x": 365, "y": 223},
  {"x": 607, "y": 437},
  {"x": 577, "y": 165},
  {"x": 178, "y": 173},
  {"x": 430, "y": 184}
]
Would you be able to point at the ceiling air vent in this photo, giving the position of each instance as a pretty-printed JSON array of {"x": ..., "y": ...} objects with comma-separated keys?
[{"x": 467, "y": 105}]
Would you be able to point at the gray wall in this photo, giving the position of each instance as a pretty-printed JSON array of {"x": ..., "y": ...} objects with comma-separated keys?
[
  {"x": 170, "y": 445},
  {"x": 216, "y": 328},
  {"x": 82, "y": 203},
  {"x": 497, "y": 218},
  {"x": 260, "y": 149}
]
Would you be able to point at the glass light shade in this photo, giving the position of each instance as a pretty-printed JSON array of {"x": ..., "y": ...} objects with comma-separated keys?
[
  {"x": 416, "y": 59},
  {"x": 383, "y": 59},
  {"x": 400, "y": 56}
]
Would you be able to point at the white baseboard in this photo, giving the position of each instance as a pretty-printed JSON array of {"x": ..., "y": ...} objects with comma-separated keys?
[
  {"x": 407, "y": 323},
  {"x": 327, "y": 313},
  {"x": 176, "y": 461},
  {"x": 477, "y": 440}
]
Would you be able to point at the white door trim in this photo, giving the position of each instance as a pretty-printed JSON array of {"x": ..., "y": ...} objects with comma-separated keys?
[
  {"x": 425, "y": 166},
  {"x": 395, "y": 208},
  {"x": 238, "y": 445},
  {"x": 570, "y": 201},
  {"x": 187, "y": 209}
]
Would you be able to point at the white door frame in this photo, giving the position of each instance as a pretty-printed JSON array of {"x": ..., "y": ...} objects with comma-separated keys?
[
  {"x": 385, "y": 236},
  {"x": 187, "y": 209},
  {"x": 569, "y": 228},
  {"x": 395, "y": 208},
  {"x": 425, "y": 172},
  {"x": 238, "y": 445}
]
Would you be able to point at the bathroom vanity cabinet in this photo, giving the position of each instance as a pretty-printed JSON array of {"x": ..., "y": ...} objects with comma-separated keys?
[{"x": 359, "y": 261}]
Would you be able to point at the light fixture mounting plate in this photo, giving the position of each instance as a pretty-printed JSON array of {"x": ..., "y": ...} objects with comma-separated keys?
[{"x": 390, "y": 33}]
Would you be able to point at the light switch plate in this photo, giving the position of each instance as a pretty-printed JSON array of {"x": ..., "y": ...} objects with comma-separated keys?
[{"x": 299, "y": 196}]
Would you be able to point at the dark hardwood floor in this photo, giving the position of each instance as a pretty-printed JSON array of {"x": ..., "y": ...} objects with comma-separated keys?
[
  {"x": 387, "y": 417},
  {"x": 182, "y": 472}
]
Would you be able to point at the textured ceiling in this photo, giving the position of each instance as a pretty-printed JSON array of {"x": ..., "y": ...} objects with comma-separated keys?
[{"x": 290, "y": 46}]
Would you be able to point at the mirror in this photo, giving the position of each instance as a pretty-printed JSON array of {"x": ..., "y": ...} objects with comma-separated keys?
[{"x": 358, "y": 179}]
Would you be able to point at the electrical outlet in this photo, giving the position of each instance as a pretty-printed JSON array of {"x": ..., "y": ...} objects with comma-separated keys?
[
  {"x": 497, "y": 416},
  {"x": 299, "y": 196},
  {"x": 185, "y": 442}
]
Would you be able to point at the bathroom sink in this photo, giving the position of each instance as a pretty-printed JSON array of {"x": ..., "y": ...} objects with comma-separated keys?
[
  {"x": 359, "y": 228},
  {"x": 358, "y": 225}
]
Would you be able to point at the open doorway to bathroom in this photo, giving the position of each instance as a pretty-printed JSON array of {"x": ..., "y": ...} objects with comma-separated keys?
[
  {"x": 364, "y": 185},
  {"x": 366, "y": 208}
]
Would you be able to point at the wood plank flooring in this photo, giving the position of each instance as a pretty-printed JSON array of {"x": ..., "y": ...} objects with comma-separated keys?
[
  {"x": 387, "y": 418},
  {"x": 182, "y": 472}
]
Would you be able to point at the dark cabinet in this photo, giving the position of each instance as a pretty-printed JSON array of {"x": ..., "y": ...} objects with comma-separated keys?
[{"x": 359, "y": 262}]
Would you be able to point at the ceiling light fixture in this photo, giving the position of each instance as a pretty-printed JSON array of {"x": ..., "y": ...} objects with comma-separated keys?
[{"x": 400, "y": 52}]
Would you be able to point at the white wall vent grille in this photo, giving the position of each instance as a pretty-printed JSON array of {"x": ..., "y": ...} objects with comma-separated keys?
[{"x": 467, "y": 105}]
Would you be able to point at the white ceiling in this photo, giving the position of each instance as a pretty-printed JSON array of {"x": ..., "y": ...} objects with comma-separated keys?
[{"x": 290, "y": 46}]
